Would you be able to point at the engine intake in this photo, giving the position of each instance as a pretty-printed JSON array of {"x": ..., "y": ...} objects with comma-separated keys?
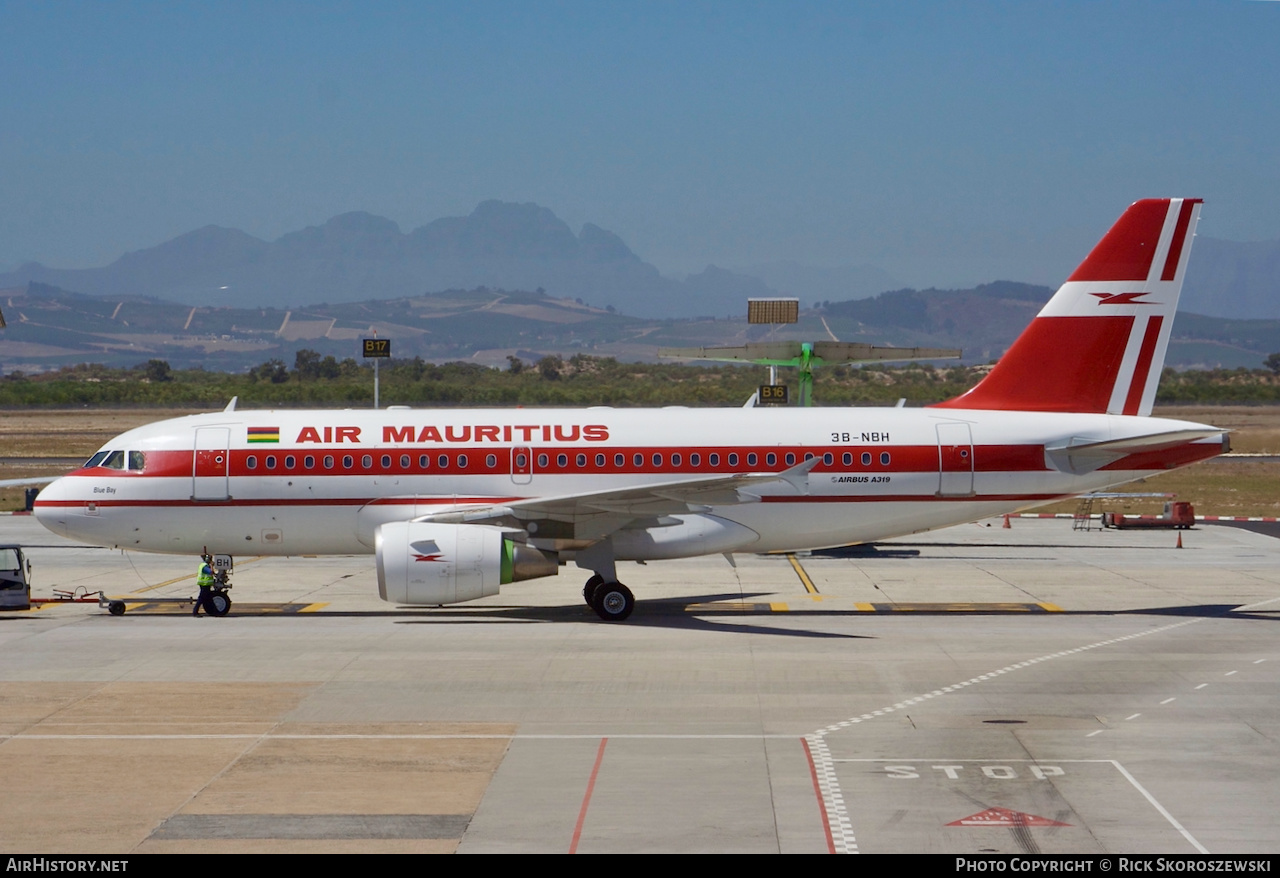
[{"x": 424, "y": 563}]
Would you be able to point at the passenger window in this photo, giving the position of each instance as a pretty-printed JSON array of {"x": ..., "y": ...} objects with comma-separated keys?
[
  {"x": 695, "y": 459},
  {"x": 847, "y": 458},
  {"x": 271, "y": 461},
  {"x": 442, "y": 461},
  {"x": 866, "y": 458},
  {"x": 348, "y": 461},
  {"x": 657, "y": 460},
  {"x": 404, "y": 461},
  {"x": 827, "y": 459},
  {"x": 328, "y": 461},
  {"x": 771, "y": 459},
  {"x": 619, "y": 460},
  {"x": 582, "y": 461},
  {"x": 675, "y": 460},
  {"x": 251, "y": 461},
  {"x": 562, "y": 460},
  {"x": 713, "y": 459},
  {"x": 637, "y": 460},
  {"x": 386, "y": 461},
  {"x": 367, "y": 461},
  {"x": 491, "y": 461},
  {"x": 542, "y": 461},
  {"x": 791, "y": 459},
  {"x": 309, "y": 462},
  {"x": 424, "y": 461},
  {"x": 884, "y": 458},
  {"x": 600, "y": 460},
  {"x": 290, "y": 462},
  {"x": 462, "y": 461},
  {"x": 751, "y": 459},
  {"x": 733, "y": 460}
]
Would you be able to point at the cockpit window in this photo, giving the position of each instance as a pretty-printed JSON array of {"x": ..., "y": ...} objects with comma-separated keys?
[
  {"x": 115, "y": 460},
  {"x": 96, "y": 459},
  {"x": 137, "y": 460}
]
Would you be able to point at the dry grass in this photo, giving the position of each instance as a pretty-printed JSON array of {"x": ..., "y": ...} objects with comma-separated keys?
[{"x": 1235, "y": 487}]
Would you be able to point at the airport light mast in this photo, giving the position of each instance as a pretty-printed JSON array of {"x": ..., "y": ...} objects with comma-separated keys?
[{"x": 801, "y": 355}]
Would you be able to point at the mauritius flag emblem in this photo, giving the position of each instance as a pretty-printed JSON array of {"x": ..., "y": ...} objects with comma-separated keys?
[{"x": 264, "y": 434}]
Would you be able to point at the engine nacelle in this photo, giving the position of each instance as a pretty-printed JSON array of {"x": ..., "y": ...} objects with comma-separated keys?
[{"x": 423, "y": 563}]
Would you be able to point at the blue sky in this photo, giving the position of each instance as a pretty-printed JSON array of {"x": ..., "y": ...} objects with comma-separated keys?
[{"x": 947, "y": 143}]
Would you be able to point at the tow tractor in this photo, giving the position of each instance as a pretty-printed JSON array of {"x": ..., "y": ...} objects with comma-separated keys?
[
  {"x": 15, "y": 579},
  {"x": 15, "y": 587}
]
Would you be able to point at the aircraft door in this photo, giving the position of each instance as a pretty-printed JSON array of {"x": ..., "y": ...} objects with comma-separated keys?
[
  {"x": 522, "y": 465},
  {"x": 955, "y": 460},
  {"x": 210, "y": 466}
]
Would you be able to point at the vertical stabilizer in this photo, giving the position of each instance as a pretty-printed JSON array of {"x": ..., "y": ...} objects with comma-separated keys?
[{"x": 1098, "y": 345}]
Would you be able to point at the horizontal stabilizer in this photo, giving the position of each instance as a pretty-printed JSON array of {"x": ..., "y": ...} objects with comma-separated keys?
[{"x": 1080, "y": 456}]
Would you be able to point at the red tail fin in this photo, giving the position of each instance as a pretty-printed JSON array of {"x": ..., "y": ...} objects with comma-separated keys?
[{"x": 1099, "y": 343}]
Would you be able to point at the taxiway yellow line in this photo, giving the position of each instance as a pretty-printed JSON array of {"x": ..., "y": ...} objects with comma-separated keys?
[{"x": 804, "y": 577}]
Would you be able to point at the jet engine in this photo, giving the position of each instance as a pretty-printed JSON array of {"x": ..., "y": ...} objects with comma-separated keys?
[{"x": 425, "y": 563}]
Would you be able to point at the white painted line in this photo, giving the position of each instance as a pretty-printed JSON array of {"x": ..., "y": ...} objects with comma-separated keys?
[
  {"x": 842, "y": 837},
  {"x": 1167, "y": 816},
  {"x": 1228, "y": 673},
  {"x": 1167, "y": 700},
  {"x": 1091, "y": 734},
  {"x": 1134, "y": 716},
  {"x": 1202, "y": 685},
  {"x": 1259, "y": 661}
]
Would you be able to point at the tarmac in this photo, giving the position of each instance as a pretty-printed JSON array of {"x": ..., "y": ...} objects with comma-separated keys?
[{"x": 978, "y": 689}]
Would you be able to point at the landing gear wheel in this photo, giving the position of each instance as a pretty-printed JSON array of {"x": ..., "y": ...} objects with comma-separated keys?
[
  {"x": 219, "y": 603},
  {"x": 613, "y": 602},
  {"x": 589, "y": 590}
]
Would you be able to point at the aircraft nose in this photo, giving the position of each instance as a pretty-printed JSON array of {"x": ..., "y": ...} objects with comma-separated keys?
[{"x": 50, "y": 509}]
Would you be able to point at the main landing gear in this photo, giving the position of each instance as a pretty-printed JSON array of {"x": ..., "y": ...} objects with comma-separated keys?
[{"x": 612, "y": 601}]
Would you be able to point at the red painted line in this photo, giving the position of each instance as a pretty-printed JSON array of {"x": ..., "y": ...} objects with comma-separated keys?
[
  {"x": 1179, "y": 235},
  {"x": 817, "y": 791},
  {"x": 1143, "y": 367},
  {"x": 586, "y": 798}
]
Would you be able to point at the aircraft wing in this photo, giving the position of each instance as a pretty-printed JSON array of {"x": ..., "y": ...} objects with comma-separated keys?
[
  {"x": 13, "y": 483},
  {"x": 596, "y": 514}
]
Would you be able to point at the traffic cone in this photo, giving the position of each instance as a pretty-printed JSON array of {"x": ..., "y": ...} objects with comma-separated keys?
[
  {"x": 1179, "y": 546},
  {"x": 1006, "y": 524}
]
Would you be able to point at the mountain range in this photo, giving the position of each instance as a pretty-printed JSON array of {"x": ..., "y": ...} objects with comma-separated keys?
[{"x": 358, "y": 256}]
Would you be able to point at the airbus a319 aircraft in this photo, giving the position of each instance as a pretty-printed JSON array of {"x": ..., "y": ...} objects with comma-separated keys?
[{"x": 456, "y": 503}]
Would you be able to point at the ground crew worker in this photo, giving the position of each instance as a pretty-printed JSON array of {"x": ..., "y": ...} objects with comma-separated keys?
[{"x": 204, "y": 579}]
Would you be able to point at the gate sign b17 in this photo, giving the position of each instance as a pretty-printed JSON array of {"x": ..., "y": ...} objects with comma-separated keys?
[{"x": 377, "y": 347}]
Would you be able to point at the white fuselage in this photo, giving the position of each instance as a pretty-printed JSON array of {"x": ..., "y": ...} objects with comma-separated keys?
[{"x": 321, "y": 482}]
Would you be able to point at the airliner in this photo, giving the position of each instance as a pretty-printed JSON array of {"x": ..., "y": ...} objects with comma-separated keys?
[{"x": 456, "y": 503}]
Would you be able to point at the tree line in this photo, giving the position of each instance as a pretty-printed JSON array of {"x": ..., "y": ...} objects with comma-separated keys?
[{"x": 580, "y": 380}]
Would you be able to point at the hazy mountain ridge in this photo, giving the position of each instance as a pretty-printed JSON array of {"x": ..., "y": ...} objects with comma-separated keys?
[{"x": 359, "y": 256}]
